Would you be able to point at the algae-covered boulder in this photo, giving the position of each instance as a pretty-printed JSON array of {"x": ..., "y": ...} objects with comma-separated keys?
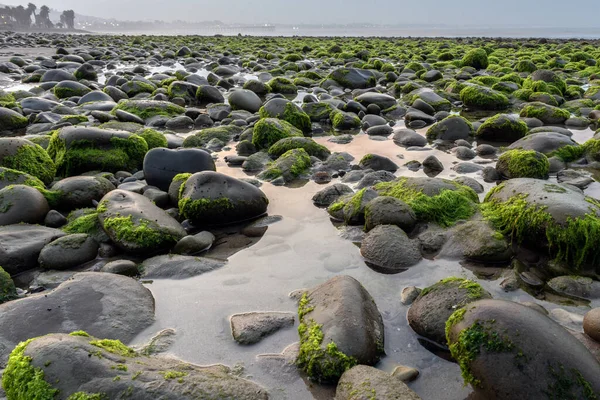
[
  {"x": 290, "y": 165},
  {"x": 519, "y": 163},
  {"x": 81, "y": 191},
  {"x": 433, "y": 99},
  {"x": 451, "y": 128},
  {"x": 308, "y": 144},
  {"x": 201, "y": 138},
  {"x": 11, "y": 120},
  {"x": 546, "y": 76},
  {"x": 433, "y": 199},
  {"x": 546, "y": 113},
  {"x": 428, "y": 314},
  {"x": 553, "y": 217},
  {"x": 483, "y": 98},
  {"x": 543, "y": 142},
  {"x": 78, "y": 366},
  {"x": 340, "y": 327},
  {"x": 502, "y": 128},
  {"x": 26, "y": 156},
  {"x": 78, "y": 150},
  {"x": 364, "y": 382},
  {"x": 286, "y": 111},
  {"x": 212, "y": 198},
  {"x": 353, "y": 78},
  {"x": 476, "y": 58},
  {"x": 505, "y": 348},
  {"x": 269, "y": 131},
  {"x": 134, "y": 223},
  {"x": 8, "y": 291},
  {"x": 66, "y": 89},
  {"x": 146, "y": 109},
  {"x": 342, "y": 120},
  {"x": 478, "y": 241}
]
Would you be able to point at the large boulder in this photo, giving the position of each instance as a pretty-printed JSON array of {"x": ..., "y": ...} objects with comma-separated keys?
[
  {"x": 451, "y": 128},
  {"x": 78, "y": 150},
  {"x": 340, "y": 327},
  {"x": 78, "y": 366},
  {"x": 364, "y": 382},
  {"x": 308, "y": 144},
  {"x": 384, "y": 101},
  {"x": 289, "y": 166},
  {"x": 26, "y": 156},
  {"x": 134, "y": 223},
  {"x": 519, "y": 163},
  {"x": 106, "y": 305},
  {"x": 81, "y": 191},
  {"x": 22, "y": 204},
  {"x": 546, "y": 113},
  {"x": 505, "y": 348},
  {"x": 478, "y": 241},
  {"x": 214, "y": 198},
  {"x": 287, "y": 111},
  {"x": 269, "y": 131},
  {"x": 20, "y": 245},
  {"x": 483, "y": 98},
  {"x": 162, "y": 165},
  {"x": 388, "y": 249},
  {"x": 68, "y": 252},
  {"x": 243, "y": 99},
  {"x": 11, "y": 120},
  {"x": 553, "y": 217},
  {"x": 502, "y": 128}
]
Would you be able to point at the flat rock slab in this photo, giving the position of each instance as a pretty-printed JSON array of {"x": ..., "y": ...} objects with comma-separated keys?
[
  {"x": 20, "y": 245},
  {"x": 250, "y": 328},
  {"x": 178, "y": 267},
  {"x": 105, "y": 305}
]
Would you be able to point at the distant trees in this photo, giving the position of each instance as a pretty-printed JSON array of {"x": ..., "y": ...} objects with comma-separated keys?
[{"x": 21, "y": 18}]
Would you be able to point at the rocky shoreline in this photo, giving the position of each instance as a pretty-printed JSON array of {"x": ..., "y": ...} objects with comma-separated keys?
[{"x": 328, "y": 217}]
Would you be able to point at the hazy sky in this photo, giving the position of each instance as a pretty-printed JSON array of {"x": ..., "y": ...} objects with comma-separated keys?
[{"x": 573, "y": 13}]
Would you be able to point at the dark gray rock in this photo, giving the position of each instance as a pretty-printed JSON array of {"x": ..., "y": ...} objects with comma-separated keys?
[
  {"x": 20, "y": 245},
  {"x": 250, "y": 328},
  {"x": 161, "y": 165},
  {"x": 387, "y": 249},
  {"x": 68, "y": 252},
  {"x": 177, "y": 267},
  {"x": 22, "y": 204}
]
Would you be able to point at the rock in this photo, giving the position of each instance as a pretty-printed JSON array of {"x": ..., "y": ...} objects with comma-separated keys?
[
  {"x": 287, "y": 111},
  {"x": 591, "y": 324},
  {"x": 387, "y": 249},
  {"x": 483, "y": 98},
  {"x": 470, "y": 182},
  {"x": 66, "y": 365},
  {"x": 242, "y": 99},
  {"x": 213, "y": 198},
  {"x": 546, "y": 212},
  {"x": 405, "y": 374},
  {"x": 22, "y": 204},
  {"x": 364, "y": 382},
  {"x": 86, "y": 301},
  {"x": 269, "y": 131},
  {"x": 464, "y": 153},
  {"x": 250, "y": 328},
  {"x": 505, "y": 348},
  {"x": 523, "y": 164},
  {"x": 353, "y": 78},
  {"x": 543, "y": 142},
  {"x": 437, "y": 102},
  {"x": 386, "y": 210},
  {"x": 342, "y": 120},
  {"x": 135, "y": 224},
  {"x": 20, "y": 245},
  {"x": 451, "y": 128},
  {"x": 160, "y": 343},
  {"x": 11, "y": 120},
  {"x": 162, "y": 165},
  {"x": 384, "y": 101},
  {"x": 409, "y": 294},
  {"x": 309, "y": 145},
  {"x": 467, "y": 168},
  {"x": 26, "y": 156},
  {"x": 194, "y": 244},
  {"x": 121, "y": 267},
  {"x": 177, "y": 267},
  {"x": 340, "y": 327},
  {"x": 428, "y": 314},
  {"x": 351, "y": 209},
  {"x": 81, "y": 191},
  {"x": 476, "y": 240},
  {"x": 378, "y": 163},
  {"x": 575, "y": 286},
  {"x": 329, "y": 195},
  {"x": 432, "y": 163},
  {"x": 502, "y": 128},
  {"x": 68, "y": 252},
  {"x": 77, "y": 150},
  {"x": 372, "y": 178},
  {"x": 408, "y": 138},
  {"x": 288, "y": 167},
  {"x": 548, "y": 114},
  {"x": 147, "y": 109},
  {"x": 66, "y": 89}
]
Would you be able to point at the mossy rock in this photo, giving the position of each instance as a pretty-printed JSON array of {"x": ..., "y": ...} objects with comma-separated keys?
[
  {"x": 504, "y": 348},
  {"x": 502, "y": 128},
  {"x": 66, "y": 89},
  {"x": 135, "y": 224},
  {"x": 353, "y": 78},
  {"x": 547, "y": 76},
  {"x": 308, "y": 144},
  {"x": 551, "y": 217},
  {"x": 289, "y": 166},
  {"x": 287, "y": 111},
  {"x": 433, "y": 199},
  {"x": 428, "y": 314},
  {"x": 133, "y": 88},
  {"x": 483, "y": 98},
  {"x": 523, "y": 164},
  {"x": 429, "y": 96},
  {"x": 8, "y": 291},
  {"x": 476, "y": 58},
  {"x": 317, "y": 111},
  {"x": 153, "y": 138},
  {"x": 282, "y": 85},
  {"x": 146, "y": 109},
  {"x": 451, "y": 128},
  {"x": 224, "y": 133},
  {"x": 269, "y": 131},
  {"x": 78, "y": 150},
  {"x": 12, "y": 120},
  {"x": 28, "y": 157},
  {"x": 342, "y": 120},
  {"x": 546, "y": 113}
]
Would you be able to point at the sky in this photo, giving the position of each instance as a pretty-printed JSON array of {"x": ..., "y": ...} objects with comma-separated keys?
[{"x": 521, "y": 13}]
